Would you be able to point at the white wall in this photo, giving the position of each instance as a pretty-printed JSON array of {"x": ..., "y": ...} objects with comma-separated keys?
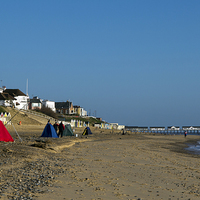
[
  {"x": 6, "y": 103},
  {"x": 49, "y": 104},
  {"x": 120, "y": 127},
  {"x": 22, "y": 100},
  {"x": 83, "y": 112}
]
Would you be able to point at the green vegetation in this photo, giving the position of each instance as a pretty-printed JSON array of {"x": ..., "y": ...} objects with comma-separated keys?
[
  {"x": 91, "y": 120},
  {"x": 2, "y": 109},
  {"x": 47, "y": 111}
]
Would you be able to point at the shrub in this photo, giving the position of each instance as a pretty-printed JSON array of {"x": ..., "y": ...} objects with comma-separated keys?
[
  {"x": 2, "y": 109},
  {"x": 47, "y": 111}
]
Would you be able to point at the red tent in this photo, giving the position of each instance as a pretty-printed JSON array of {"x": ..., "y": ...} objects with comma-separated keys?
[{"x": 4, "y": 134}]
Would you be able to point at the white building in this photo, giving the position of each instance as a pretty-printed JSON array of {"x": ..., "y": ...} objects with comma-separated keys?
[
  {"x": 49, "y": 104},
  {"x": 173, "y": 128},
  {"x": 20, "y": 99},
  {"x": 80, "y": 111},
  {"x": 120, "y": 127},
  {"x": 114, "y": 125},
  {"x": 83, "y": 112}
]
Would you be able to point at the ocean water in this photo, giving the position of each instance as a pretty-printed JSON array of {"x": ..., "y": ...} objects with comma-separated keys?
[{"x": 194, "y": 148}]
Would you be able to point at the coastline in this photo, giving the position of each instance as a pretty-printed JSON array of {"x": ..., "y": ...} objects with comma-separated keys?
[{"x": 104, "y": 165}]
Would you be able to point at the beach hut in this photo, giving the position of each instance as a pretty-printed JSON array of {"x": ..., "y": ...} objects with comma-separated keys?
[
  {"x": 68, "y": 130},
  {"x": 87, "y": 131},
  {"x": 4, "y": 134},
  {"x": 49, "y": 131}
]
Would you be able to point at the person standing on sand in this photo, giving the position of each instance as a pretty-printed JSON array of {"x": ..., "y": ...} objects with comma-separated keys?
[
  {"x": 61, "y": 129},
  {"x": 123, "y": 132},
  {"x": 56, "y": 126},
  {"x": 185, "y": 133}
]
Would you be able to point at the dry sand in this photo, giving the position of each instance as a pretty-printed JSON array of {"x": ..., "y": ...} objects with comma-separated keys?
[{"x": 105, "y": 165}]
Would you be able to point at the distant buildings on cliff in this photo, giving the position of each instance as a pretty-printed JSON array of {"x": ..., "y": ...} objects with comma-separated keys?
[{"x": 17, "y": 99}]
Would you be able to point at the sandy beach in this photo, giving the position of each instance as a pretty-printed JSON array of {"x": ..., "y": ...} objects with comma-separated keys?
[{"x": 104, "y": 165}]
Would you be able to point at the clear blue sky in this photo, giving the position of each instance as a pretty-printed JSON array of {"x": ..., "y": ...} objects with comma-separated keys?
[{"x": 134, "y": 62}]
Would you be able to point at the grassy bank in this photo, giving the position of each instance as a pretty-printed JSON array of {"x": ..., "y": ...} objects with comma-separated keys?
[{"x": 19, "y": 116}]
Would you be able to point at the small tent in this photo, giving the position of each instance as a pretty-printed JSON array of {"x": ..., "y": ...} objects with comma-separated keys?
[
  {"x": 68, "y": 130},
  {"x": 49, "y": 131},
  {"x": 87, "y": 131},
  {"x": 4, "y": 134}
]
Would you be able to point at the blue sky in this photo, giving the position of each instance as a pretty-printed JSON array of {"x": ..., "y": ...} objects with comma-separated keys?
[{"x": 134, "y": 62}]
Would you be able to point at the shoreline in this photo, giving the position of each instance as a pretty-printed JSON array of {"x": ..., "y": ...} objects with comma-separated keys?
[{"x": 61, "y": 168}]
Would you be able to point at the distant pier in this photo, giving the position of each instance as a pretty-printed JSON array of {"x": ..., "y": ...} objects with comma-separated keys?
[{"x": 165, "y": 130}]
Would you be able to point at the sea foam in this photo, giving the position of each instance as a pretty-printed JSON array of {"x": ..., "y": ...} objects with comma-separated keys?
[{"x": 194, "y": 148}]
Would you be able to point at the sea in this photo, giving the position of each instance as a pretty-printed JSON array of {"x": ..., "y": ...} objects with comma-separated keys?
[{"x": 192, "y": 148}]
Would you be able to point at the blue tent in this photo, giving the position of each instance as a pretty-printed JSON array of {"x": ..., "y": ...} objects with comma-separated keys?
[
  {"x": 87, "y": 131},
  {"x": 49, "y": 131}
]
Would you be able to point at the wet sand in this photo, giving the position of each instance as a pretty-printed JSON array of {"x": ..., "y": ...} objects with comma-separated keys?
[{"x": 104, "y": 165}]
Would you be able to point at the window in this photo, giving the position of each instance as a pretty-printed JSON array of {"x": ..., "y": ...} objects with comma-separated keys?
[{"x": 35, "y": 105}]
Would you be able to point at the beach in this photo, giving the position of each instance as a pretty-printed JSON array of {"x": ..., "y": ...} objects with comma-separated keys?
[{"x": 104, "y": 165}]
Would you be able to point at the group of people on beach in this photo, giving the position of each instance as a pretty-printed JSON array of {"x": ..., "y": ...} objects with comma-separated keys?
[{"x": 59, "y": 128}]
